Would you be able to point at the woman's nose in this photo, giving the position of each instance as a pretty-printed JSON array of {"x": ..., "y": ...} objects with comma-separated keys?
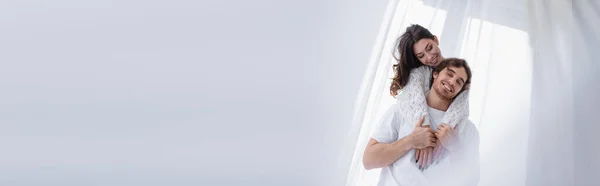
[{"x": 429, "y": 58}]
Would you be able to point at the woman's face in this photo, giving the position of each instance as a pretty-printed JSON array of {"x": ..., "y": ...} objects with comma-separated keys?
[{"x": 428, "y": 52}]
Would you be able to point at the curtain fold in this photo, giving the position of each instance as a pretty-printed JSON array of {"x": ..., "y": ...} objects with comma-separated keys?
[{"x": 564, "y": 145}]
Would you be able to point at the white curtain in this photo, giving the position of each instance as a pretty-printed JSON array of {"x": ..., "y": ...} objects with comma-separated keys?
[
  {"x": 565, "y": 143},
  {"x": 492, "y": 36},
  {"x": 535, "y": 91}
]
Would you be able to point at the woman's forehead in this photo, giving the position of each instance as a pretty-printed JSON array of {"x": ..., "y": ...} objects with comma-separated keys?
[{"x": 421, "y": 44}]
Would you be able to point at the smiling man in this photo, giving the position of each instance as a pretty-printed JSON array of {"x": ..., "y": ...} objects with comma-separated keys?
[{"x": 456, "y": 149}]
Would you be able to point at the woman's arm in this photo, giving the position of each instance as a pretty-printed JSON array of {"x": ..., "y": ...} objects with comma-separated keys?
[
  {"x": 412, "y": 95},
  {"x": 413, "y": 100},
  {"x": 458, "y": 110}
]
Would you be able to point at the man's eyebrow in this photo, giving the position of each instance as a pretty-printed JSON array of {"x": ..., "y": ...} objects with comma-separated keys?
[{"x": 463, "y": 80}]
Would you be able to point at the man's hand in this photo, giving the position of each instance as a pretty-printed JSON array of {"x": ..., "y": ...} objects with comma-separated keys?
[
  {"x": 446, "y": 135},
  {"x": 422, "y": 137},
  {"x": 423, "y": 142}
]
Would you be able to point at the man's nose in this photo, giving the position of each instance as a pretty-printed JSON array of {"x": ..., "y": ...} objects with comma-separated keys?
[{"x": 452, "y": 82}]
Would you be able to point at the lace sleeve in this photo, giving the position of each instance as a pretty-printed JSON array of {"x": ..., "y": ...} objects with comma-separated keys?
[
  {"x": 458, "y": 110},
  {"x": 412, "y": 96}
]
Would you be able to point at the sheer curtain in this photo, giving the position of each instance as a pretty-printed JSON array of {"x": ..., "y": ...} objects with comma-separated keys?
[
  {"x": 564, "y": 145},
  {"x": 492, "y": 36}
]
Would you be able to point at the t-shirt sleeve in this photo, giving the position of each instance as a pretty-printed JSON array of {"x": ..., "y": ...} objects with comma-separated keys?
[{"x": 386, "y": 129}]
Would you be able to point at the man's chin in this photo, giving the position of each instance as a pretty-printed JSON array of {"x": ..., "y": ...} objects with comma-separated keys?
[
  {"x": 442, "y": 93},
  {"x": 446, "y": 97}
]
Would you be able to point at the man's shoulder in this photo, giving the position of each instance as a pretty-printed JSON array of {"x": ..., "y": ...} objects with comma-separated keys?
[
  {"x": 470, "y": 128},
  {"x": 396, "y": 110},
  {"x": 395, "y": 107},
  {"x": 470, "y": 124}
]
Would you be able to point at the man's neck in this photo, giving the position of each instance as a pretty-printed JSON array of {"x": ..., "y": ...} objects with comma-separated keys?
[{"x": 436, "y": 102}]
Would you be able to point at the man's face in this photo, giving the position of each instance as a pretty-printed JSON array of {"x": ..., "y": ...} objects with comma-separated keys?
[{"x": 449, "y": 82}]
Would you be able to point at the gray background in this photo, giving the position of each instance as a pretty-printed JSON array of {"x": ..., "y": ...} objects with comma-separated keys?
[{"x": 131, "y": 92}]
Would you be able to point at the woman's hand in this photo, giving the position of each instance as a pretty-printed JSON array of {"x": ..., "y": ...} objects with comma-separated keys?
[
  {"x": 446, "y": 135},
  {"x": 424, "y": 157}
]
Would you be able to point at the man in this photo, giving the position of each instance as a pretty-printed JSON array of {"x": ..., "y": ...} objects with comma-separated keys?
[{"x": 393, "y": 143}]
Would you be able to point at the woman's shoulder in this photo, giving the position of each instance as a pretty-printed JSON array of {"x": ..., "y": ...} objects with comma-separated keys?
[{"x": 422, "y": 68}]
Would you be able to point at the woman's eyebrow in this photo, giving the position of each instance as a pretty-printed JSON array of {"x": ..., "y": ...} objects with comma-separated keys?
[{"x": 426, "y": 46}]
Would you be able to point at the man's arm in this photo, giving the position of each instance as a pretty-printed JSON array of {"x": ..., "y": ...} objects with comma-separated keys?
[{"x": 380, "y": 154}]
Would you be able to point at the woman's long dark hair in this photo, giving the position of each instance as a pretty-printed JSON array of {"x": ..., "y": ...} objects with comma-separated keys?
[{"x": 407, "y": 60}]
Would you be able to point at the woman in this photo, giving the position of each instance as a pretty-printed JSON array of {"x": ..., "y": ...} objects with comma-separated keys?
[{"x": 419, "y": 51}]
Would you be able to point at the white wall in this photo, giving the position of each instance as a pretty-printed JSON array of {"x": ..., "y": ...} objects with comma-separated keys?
[{"x": 133, "y": 92}]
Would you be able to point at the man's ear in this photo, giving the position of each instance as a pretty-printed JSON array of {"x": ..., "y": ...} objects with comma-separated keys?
[{"x": 435, "y": 75}]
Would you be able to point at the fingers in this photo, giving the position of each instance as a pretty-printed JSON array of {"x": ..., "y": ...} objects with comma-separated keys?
[
  {"x": 443, "y": 128},
  {"x": 436, "y": 151},
  {"x": 417, "y": 153},
  {"x": 421, "y": 163},
  {"x": 430, "y": 156},
  {"x": 432, "y": 140},
  {"x": 422, "y": 157},
  {"x": 420, "y": 121},
  {"x": 429, "y": 130},
  {"x": 425, "y": 159}
]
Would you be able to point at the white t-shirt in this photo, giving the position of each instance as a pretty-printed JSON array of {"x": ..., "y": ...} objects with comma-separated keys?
[{"x": 405, "y": 171}]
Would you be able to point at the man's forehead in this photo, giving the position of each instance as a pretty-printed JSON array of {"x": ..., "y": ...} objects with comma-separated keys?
[{"x": 460, "y": 71}]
